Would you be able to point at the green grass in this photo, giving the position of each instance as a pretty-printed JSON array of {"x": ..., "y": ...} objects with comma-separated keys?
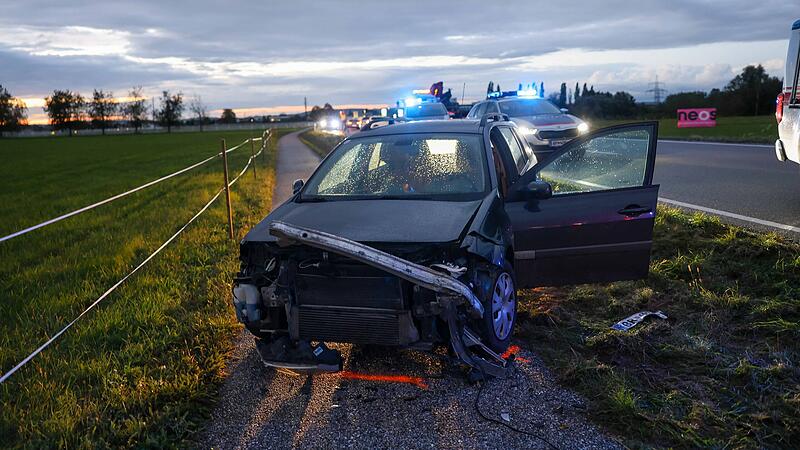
[
  {"x": 321, "y": 143},
  {"x": 142, "y": 368},
  {"x": 755, "y": 129},
  {"x": 722, "y": 372}
]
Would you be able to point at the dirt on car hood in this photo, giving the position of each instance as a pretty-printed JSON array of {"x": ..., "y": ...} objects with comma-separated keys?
[{"x": 395, "y": 221}]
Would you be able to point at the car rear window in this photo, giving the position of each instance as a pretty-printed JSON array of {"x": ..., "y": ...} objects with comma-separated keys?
[{"x": 426, "y": 110}]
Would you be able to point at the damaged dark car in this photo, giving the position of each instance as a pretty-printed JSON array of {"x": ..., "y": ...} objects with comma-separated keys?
[{"x": 420, "y": 234}]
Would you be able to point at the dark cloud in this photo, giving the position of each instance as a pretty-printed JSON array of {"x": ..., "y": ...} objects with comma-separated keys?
[{"x": 177, "y": 44}]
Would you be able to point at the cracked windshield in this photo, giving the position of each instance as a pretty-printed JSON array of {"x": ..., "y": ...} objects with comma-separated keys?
[{"x": 411, "y": 166}]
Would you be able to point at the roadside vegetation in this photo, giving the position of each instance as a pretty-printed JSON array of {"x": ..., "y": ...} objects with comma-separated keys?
[
  {"x": 142, "y": 368},
  {"x": 722, "y": 372},
  {"x": 319, "y": 141},
  {"x": 749, "y": 129}
]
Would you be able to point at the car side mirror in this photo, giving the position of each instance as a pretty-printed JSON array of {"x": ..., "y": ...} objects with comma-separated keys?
[
  {"x": 297, "y": 185},
  {"x": 538, "y": 189},
  {"x": 564, "y": 110}
]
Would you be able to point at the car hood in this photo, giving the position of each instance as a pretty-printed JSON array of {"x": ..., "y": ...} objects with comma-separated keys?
[
  {"x": 389, "y": 221},
  {"x": 551, "y": 121}
]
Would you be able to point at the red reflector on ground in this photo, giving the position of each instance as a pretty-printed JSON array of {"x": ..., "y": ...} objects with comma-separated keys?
[
  {"x": 417, "y": 381},
  {"x": 513, "y": 350}
]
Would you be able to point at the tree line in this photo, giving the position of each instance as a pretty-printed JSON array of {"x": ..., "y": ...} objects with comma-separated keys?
[
  {"x": 750, "y": 93},
  {"x": 69, "y": 110}
]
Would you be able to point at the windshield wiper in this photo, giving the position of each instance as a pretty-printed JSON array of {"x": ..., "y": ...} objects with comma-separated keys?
[{"x": 403, "y": 197}]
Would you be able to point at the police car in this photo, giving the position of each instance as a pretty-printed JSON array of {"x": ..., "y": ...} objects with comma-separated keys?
[
  {"x": 544, "y": 125},
  {"x": 787, "y": 111}
]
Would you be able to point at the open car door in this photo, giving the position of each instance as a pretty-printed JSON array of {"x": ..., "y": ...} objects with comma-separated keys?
[{"x": 598, "y": 223}]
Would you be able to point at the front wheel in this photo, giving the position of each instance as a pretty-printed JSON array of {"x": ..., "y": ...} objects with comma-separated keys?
[{"x": 499, "y": 297}]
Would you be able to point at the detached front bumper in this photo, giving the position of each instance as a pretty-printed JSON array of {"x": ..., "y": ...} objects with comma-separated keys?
[{"x": 324, "y": 318}]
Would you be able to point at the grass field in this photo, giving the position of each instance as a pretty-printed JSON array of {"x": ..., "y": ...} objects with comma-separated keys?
[
  {"x": 722, "y": 372},
  {"x": 320, "y": 142},
  {"x": 756, "y": 129},
  {"x": 141, "y": 369}
]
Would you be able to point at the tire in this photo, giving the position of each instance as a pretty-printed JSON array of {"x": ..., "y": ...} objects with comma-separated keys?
[{"x": 499, "y": 297}]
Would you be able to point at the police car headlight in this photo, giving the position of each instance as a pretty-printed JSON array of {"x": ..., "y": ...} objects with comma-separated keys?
[
  {"x": 323, "y": 123},
  {"x": 528, "y": 131},
  {"x": 583, "y": 128}
]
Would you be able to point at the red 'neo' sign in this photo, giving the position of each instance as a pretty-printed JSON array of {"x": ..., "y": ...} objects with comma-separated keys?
[{"x": 697, "y": 117}]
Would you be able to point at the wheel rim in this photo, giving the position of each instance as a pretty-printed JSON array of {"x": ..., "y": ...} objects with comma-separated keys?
[{"x": 503, "y": 305}]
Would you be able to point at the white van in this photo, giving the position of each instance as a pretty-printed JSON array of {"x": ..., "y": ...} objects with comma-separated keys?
[{"x": 787, "y": 109}]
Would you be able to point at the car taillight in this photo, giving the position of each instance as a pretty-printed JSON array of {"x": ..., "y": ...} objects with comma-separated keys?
[{"x": 779, "y": 108}]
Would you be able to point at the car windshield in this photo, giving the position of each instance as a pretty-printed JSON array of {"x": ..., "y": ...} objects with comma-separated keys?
[
  {"x": 426, "y": 110},
  {"x": 527, "y": 107},
  {"x": 410, "y": 166}
]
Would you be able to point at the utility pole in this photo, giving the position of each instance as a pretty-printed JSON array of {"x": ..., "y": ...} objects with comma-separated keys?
[
  {"x": 305, "y": 108},
  {"x": 463, "y": 89},
  {"x": 657, "y": 90}
]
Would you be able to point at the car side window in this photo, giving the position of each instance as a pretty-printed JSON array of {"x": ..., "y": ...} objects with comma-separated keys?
[
  {"x": 491, "y": 107},
  {"x": 501, "y": 149},
  {"x": 610, "y": 161},
  {"x": 526, "y": 148},
  {"x": 481, "y": 110},
  {"x": 520, "y": 159}
]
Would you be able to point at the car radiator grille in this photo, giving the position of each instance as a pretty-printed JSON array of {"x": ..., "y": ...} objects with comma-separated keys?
[
  {"x": 558, "y": 134},
  {"x": 349, "y": 325}
]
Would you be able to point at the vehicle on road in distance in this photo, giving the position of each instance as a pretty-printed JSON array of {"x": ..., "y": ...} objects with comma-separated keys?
[
  {"x": 419, "y": 234},
  {"x": 330, "y": 124},
  {"x": 544, "y": 125},
  {"x": 426, "y": 111},
  {"x": 787, "y": 109}
]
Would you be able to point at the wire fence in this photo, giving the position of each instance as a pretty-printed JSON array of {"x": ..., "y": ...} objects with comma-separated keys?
[
  {"x": 118, "y": 196},
  {"x": 264, "y": 139}
]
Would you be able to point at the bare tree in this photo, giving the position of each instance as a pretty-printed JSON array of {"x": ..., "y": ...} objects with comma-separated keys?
[
  {"x": 199, "y": 109},
  {"x": 135, "y": 110},
  {"x": 102, "y": 109},
  {"x": 171, "y": 110},
  {"x": 12, "y": 112}
]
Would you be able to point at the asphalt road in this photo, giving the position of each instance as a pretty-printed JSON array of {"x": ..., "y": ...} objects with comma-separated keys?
[
  {"x": 424, "y": 403},
  {"x": 738, "y": 178}
]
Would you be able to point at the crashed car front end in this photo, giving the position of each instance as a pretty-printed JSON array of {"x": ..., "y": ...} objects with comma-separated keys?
[{"x": 311, "y": 286}]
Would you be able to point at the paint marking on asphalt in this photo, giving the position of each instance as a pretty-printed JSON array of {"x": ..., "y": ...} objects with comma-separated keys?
[
  {"x": 718, "y": 212},
  {"x": 730, "y": 144}
]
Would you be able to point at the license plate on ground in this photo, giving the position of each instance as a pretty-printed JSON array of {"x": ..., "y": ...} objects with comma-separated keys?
[{"x": 558, "y": 142}]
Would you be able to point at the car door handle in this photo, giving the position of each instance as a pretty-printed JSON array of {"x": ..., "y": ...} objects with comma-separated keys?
[{"x": 634, "y": 210}]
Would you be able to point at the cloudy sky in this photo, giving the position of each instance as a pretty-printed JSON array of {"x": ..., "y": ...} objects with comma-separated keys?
[{"x": 264, "y": 57}]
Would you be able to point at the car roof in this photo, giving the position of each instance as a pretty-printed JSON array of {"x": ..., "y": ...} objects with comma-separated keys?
[{"x": 466, "y": 126}]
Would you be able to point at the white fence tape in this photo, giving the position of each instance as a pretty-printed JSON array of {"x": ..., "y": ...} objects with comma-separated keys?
[
  {"x": 105, "y": 294},
  {"x": 116, "y": 197}
]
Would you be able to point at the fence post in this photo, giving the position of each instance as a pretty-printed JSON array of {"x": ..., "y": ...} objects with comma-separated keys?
[
  {"x": 227, "y": 188},
  {"x": 253, "y": 157},
  {"x": 264, "y": 143}
]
